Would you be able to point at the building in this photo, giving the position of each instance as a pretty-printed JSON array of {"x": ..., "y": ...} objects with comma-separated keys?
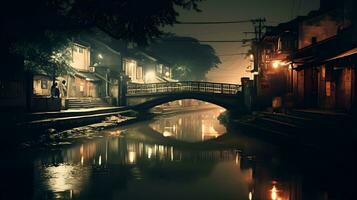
[
  {"x": 142, "y": 67},
  {"x": 98, "y": 68},
  {"x": 14, "y": 84},
  {"x": 325, "y": 60},
  {"x": 310, "y": 62},
  {"x": 275, "y": 75}
]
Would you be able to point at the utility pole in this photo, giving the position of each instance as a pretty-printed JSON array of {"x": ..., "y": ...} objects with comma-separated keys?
[
  {"x": 258, "y": 32},
  {"x": 256, "y": 50}
]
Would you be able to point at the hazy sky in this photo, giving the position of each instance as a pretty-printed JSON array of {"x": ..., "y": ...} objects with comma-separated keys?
[{"x": 234, "y": 67}]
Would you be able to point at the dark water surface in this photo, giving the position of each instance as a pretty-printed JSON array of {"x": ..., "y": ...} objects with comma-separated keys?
[{"x": 117, "y": 166}]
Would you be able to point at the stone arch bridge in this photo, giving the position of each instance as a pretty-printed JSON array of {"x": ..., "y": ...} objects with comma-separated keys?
[{"x": 143, "y": 97}]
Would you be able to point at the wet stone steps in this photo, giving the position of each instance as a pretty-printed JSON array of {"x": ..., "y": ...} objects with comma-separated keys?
[
  {"x": 86, "y": 103},
  {"x": 289, "y": 119},
  {"x": 278, "y": 125}
]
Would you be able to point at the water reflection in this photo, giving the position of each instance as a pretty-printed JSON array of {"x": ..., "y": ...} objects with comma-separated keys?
[
  {"x": 191, "y": 127},
  {"x": 119, "y": 167},
  {"x": 82, "y": 172}
]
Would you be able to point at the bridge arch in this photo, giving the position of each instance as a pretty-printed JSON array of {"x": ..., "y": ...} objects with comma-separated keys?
[
  {"x": 148, "y": 102},
  {"x": 146, "y": 96}
]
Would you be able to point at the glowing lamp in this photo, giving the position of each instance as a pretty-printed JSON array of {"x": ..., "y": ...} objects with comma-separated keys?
[
  {"x": 150, "y": 76},
  {"x": 276, "y": 64},
  {"x": 274, "y": 193}
]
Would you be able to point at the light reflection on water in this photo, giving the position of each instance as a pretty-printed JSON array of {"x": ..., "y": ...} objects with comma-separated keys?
[
  {"x": 120, "y": 167},
  {"x": 117, "y": 167},
  {"x": 81, "y": 172},
  {"x": 191, "y": 127}
]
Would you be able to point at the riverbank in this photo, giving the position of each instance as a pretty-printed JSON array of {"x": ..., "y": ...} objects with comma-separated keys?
[{"x": 308, "y": 128}]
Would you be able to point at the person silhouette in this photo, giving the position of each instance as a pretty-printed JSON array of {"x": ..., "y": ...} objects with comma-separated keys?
[{"x": 54, "y": 90}]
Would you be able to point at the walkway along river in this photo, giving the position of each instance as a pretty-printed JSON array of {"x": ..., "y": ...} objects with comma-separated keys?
[{"x": 177, "y": 156}]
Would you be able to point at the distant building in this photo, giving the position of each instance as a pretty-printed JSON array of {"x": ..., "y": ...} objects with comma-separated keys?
[{"x": 141, "y": 67}]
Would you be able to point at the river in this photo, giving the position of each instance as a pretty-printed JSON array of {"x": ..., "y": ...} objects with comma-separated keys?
[{"x": 188, "y": 155}]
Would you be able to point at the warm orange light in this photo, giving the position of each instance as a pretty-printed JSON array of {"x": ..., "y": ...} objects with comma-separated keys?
[
  {"x": 276, "y": 64},
  {"x": 132, "y": 157},
  {"x": 149, "y": 152},
  {"x": 82, "y": 160},
  {"x": 274, "y": 193},
  {"x": 250, "y": 196}
]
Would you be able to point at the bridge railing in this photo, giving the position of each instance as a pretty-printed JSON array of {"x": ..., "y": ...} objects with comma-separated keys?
[{"x": 185, "y": 86}]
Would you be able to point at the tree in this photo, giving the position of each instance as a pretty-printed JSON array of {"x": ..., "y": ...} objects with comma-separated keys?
[
  {"x": 38, "y": 29},
  {"x": 191, "y": 59},
  {"x": 39, "y": 57}
]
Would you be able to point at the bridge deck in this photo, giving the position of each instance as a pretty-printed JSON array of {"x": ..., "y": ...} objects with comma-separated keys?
[{"x": 184, "y": 86}]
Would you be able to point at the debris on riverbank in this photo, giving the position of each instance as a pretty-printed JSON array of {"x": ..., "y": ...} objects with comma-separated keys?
[{"x": 52, "y": 137}]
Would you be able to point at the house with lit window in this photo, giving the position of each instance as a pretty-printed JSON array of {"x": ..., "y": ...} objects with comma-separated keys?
[
  {"x": 94, "y": 77},
  {"x": 96, "y": 68},
  {"x": 141, "y": 67}
]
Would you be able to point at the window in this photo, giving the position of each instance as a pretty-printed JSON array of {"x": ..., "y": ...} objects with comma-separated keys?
[
  {"x": 44, "y": 84},
  {"x": 159, "y": 68},
  {"x": 139, "y": 73},
  {"x": 80, "y": 50},
  {"x": 130, "y": 69},
  {"x": 328, "y": 88}
]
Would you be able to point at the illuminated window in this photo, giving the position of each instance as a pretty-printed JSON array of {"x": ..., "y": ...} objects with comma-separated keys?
[
  {"x": 159, "y": 69},
  {"x": 323, "y": 72},
  {"x": 44, "y": 84},
  {"x": 139, "y": 73},
  {"x": 130, "y": 69},
  {"x": 328, "y": 88}
]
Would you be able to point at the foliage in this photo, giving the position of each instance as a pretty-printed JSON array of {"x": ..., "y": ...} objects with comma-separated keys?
[
  {"x": 191, "y": 59},
  {"x": 40, "y": 57},
  {"x": 37, "y": 29}
]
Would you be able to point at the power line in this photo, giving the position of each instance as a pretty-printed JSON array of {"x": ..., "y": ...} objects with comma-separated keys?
[
  {"x": 225, "y": 41},
  {"x": 233, "y": 54},
  {"x": 212, "y": 41},
  {"x": 217, "y": 22}
]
